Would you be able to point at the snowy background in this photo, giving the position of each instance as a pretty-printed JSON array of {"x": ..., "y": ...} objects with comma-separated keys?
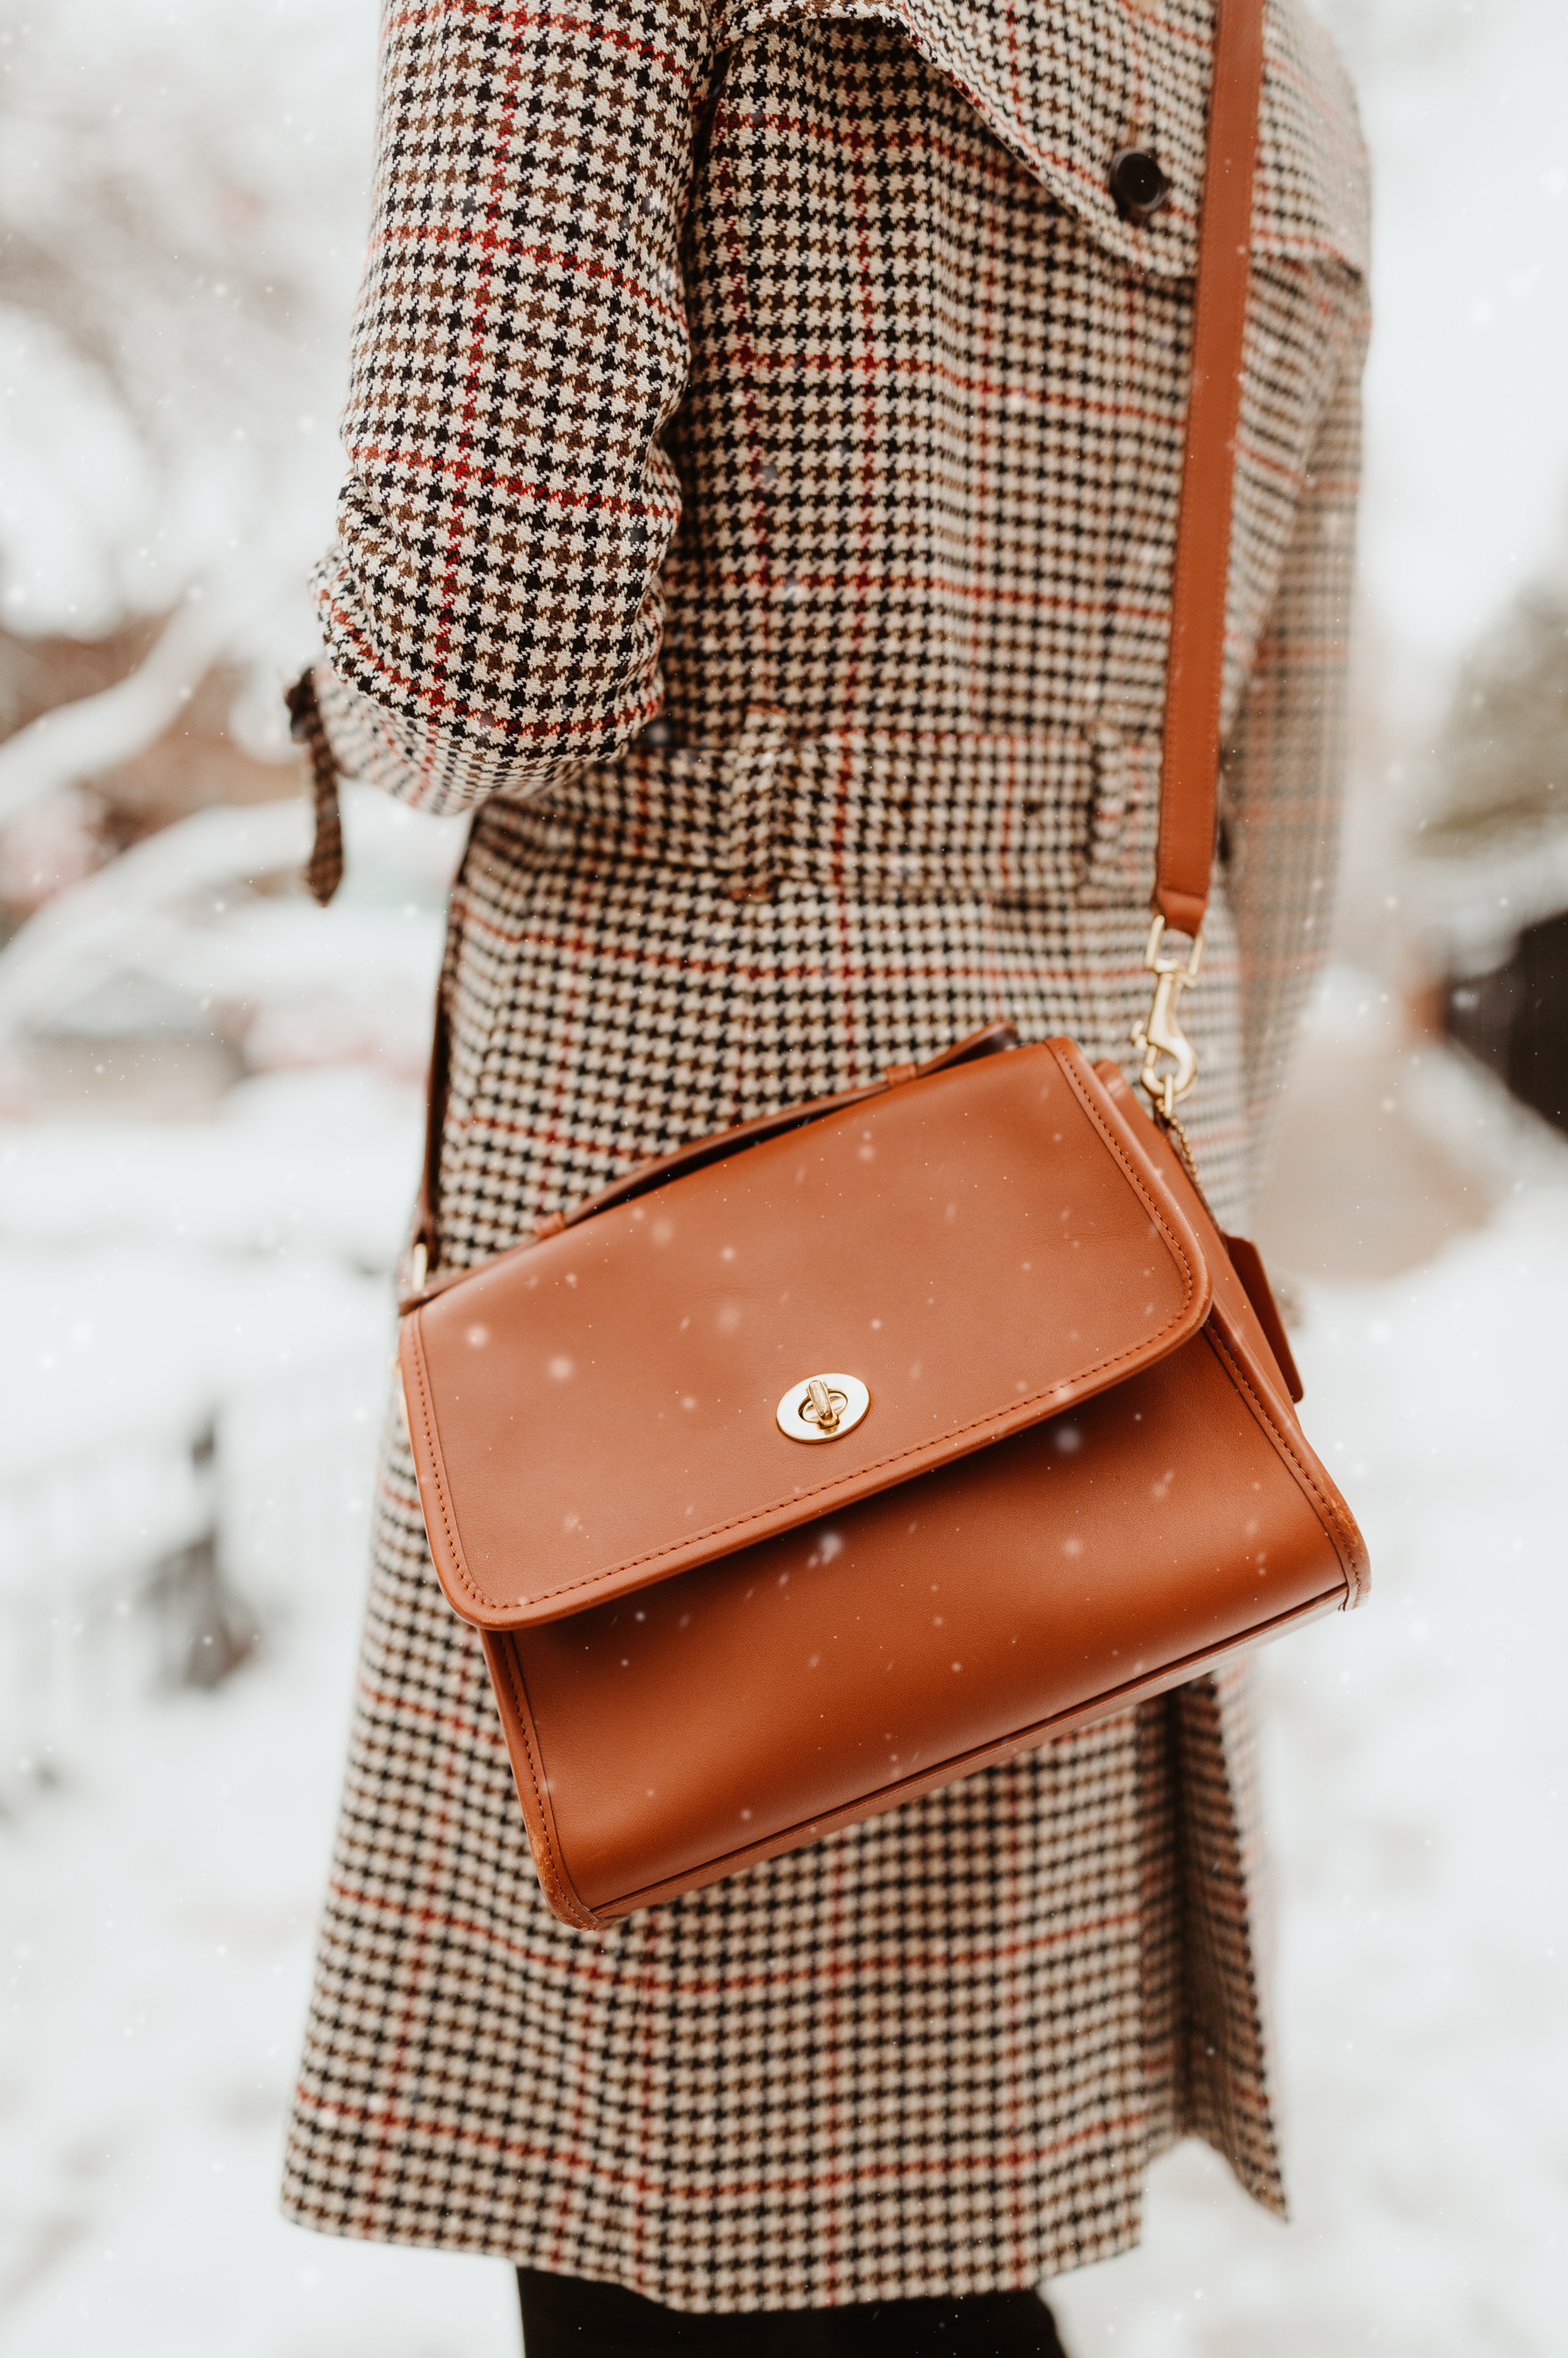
[{"x": 209, "y": 1129}]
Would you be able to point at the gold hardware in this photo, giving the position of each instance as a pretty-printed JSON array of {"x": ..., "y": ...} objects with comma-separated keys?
[
  {"x": 1159, "y": 1034},
  {"x": 823, "y": 1408},
  {"x": 419, "y": 1267}
]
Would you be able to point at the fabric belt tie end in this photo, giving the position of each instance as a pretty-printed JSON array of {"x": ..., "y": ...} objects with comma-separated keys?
[{"x": 324, "y": 868}]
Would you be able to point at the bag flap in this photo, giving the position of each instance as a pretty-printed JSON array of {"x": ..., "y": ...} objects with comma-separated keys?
[{"x": 599, "y": 1409}]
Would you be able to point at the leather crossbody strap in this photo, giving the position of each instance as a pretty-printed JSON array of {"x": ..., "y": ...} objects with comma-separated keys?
[{"x": 1189, "y": 774}]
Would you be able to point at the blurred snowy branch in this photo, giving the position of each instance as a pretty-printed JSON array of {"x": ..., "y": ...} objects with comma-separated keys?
[
  {"x": 182, "y": 208},
  {"x": 79, "y": 741},
  {"x": 302, "y": 985},
  {"x": 1501, "y": 765},
  {"x": 120, "y": 914}
]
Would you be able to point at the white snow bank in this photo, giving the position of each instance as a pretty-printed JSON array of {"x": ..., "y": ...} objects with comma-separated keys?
[
  {"x": 326, "y": 1160},
  {"x": 144, "y": 1338},
  {"x": 176, "y": 920}
]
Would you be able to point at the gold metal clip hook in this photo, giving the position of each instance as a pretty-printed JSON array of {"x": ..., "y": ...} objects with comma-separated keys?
[{"x": 1160, "y": 1034}]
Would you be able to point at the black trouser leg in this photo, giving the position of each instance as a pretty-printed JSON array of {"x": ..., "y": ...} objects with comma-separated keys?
[
  {"x": 979, "y": 2325},
  {"x": 567, "y": 2317}
]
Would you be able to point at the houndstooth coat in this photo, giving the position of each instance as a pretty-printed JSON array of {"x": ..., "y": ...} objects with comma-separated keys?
[{"x": 765, "y": 440}]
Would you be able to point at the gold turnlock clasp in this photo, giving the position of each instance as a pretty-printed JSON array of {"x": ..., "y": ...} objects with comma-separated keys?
[
  {"x": 1159, "y": 1034},
  {"x": 822, "y": 1408}
]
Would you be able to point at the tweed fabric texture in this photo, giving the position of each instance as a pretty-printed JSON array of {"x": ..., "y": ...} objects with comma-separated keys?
[{"x": 764, "y": 449}]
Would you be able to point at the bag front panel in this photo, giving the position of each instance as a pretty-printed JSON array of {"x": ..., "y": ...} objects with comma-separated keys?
[{"x": 690, "y": 1729}]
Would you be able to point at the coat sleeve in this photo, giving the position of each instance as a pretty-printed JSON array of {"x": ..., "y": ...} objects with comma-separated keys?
[
  {"x": 1284, "y": 766},
  {"x": 491, "y": 611}
]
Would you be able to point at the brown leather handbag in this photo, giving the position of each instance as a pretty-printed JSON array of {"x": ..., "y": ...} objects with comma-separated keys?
[{"x": 831, "y": 1458}]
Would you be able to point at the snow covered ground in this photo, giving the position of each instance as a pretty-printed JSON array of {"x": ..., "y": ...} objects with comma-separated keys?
[{"x": 165, "y": 1846}]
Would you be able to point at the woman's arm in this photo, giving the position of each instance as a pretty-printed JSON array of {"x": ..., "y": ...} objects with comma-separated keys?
[{"x": 492, "y": 609}]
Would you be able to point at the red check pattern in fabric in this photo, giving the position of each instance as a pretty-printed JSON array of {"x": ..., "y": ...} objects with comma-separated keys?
[{"x": 764, "y": 441}]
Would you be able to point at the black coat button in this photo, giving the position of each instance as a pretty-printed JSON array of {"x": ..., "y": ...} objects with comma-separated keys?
[{"x": 1138, "y": 184}]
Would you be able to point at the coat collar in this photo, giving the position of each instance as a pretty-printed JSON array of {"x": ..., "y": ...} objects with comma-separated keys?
[{"x": 1066, "y": 83}]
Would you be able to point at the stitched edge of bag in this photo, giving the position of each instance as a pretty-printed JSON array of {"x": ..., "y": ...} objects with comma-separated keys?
[
  {"x": 549, "y": 1862},
  {"x": 1344, "y": 1535}
]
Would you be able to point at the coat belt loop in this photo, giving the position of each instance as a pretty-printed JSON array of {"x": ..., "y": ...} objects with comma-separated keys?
[{"x": 750, "y": 860}]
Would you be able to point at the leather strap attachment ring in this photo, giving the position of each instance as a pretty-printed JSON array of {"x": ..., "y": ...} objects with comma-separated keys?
[{"x": 1160, "y": 1036}]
